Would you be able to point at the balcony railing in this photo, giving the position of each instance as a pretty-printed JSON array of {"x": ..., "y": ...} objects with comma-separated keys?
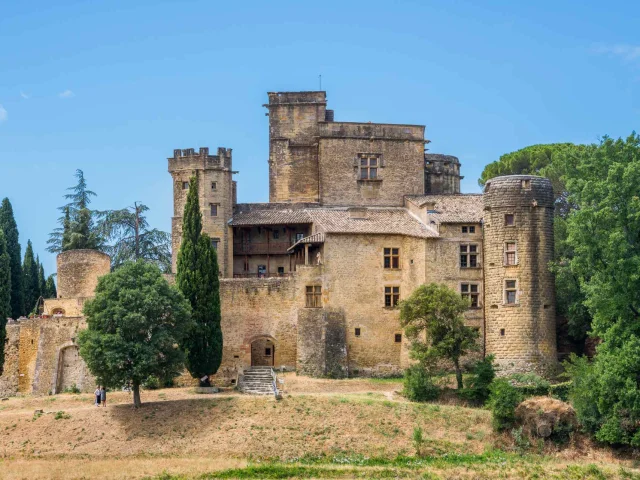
[
  {"x": 263, "y": 275},
  {"x": 274, "y": 248}
]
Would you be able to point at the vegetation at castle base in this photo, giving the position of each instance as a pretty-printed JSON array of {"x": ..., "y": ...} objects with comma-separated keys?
[
  {"x": 135, "y": 325},
  {"x": 30, "y": 272},
  {"x": 198, "y": 279},
  {"x": 435, "y": 312},
  {"x": 129, "y": 238},
  {"x": 5, "y": 293},
  {"x": 10, "y": 229}
]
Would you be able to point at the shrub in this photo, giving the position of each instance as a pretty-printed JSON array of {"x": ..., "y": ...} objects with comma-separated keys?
[
  {"x": 72, "y": 389},
  {"x": 583, "y": 392},
  {"x": 418, "y": 385},
  {"x": 418, "y": 440},
  {"x": 482, "y": 375},
  {"x": 560, "y": 391},
  {"x": 503, "y": 400},
  {"x": 530, "y": 384},
  {"x": 152, "y": 383}
]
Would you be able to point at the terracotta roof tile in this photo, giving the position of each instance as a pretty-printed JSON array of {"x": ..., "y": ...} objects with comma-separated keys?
[{"x": 467, "y": 208}]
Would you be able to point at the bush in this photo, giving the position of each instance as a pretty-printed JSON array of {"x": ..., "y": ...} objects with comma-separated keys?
[
  {"x": 530, "y": 384},
  {"x": 503, "y": 400},
  {"x": 482, "y": 375},
  {"x": 418, "y": 385},
  {"x": 72, "y": 389},
  {"x": 152, "y": 383},
  {"x": 560, "y": 391}
]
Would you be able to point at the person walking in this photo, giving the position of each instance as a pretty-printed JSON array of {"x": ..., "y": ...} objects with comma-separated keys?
[
  {"x": 97, "y": 393},
  {"x": 103, "y": 396}
]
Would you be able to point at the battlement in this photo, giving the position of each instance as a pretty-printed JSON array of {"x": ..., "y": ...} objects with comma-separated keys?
[
  {"x": 371, "y": 130},
  {"x": 187, "y": 158},
  {"x": 296, "y": 98}
]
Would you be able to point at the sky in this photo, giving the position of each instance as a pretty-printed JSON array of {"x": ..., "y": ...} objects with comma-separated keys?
[{"x": 113, "y": 87}]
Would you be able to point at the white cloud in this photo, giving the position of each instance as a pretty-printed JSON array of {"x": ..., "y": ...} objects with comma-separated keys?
[
  {"x": 628, "y": 53},
  {"x": 3, "y": 114},
  {"x": 67, "y": 94},
  {"x": 24, "y": 95}
]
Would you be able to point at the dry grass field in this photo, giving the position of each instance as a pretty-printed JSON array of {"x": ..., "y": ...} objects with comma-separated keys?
[{"x": 321, "y": 429}]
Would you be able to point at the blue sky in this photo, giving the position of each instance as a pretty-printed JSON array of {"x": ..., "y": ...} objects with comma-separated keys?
[{"x": 113, "y": 87}]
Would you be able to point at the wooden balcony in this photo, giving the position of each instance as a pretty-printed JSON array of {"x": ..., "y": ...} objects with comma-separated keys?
[
  {"x": 268, "y": 248},
  {"x": 263, "y": 275}
]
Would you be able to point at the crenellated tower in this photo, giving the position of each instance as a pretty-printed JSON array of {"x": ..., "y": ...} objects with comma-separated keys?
[
  {"x": 441, "y": 174},
  {"x": 519, "y": 285},
  {"x": 217, "y": 192}
]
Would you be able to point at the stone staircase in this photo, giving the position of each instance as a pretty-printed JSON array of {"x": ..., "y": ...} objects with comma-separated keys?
[{"x": 256, "y": 381}]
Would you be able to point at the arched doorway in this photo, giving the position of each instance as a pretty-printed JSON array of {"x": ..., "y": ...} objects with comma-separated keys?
[
  {"x": 70, "y": 369},
  {"x": 263, "y": 352}
]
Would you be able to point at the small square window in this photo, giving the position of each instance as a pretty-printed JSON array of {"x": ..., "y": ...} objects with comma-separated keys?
[
  {"x": 472, "y": 229},
  {"x": 215, "y": 242},
  {"x": 509, "y": 220},
  {"x": 357, "y": 332},
  {"x": 398, "y": 338},
  {"x": 214, "y": 186},
  {"x": 276, "y": 234},
  {"x": 280, "y": 270},
  {"x": 267, "y": 352},
  {"x": 185, "y": 185},
  {"x": 465, "y": 229},
  {"x": 299, "y": 236},
  {"x": 526, "y": 184},
  {"x": 214, "y": 210},
  {"x": 510, "y": 292},
  {"x": 502, "y": 332},
  {"x": 391, "y": 296}
]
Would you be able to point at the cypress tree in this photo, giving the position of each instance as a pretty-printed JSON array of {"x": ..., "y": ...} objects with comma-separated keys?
[
  {"x": 50, "y": 290},
  {"x": 8, "y": 225},
  {"x": 5, "y": 294},
  {"x": 42, "y": 281},
  {"x": 198, "y": 279},
  {"x": 30, "y": 280}
]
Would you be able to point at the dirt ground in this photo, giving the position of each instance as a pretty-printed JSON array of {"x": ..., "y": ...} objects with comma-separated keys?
[{"x": 178, "y": 431}]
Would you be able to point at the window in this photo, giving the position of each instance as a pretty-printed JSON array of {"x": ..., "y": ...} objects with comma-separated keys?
[
  {"x": 369, "y": 167},
  {"x": 391, "y": 296},
  {"x": 262, "y": 271},
  {"x": 526, "y": 184},
  {"x": 214, "y": 186},
  {"x": 465, "y": 229},
  {"x": 215, "y": 242},
  {"x": 214, "y": 210},
  {"x": 398, "y": 338},
  {"x": 468, "y": 229},
  {"x": 276, "y": 234},
  {"x": 357, "y": 332},
  {"x": 502, "y": 332},
  {"x": 280, "y": 270},
  {"x": 299, "y": 236},
  {"x": 468, "y": 256},
  {"x": 314, "y": 296},
  {"x": 267, "y": 352},
  {"x": 510, "y": 292},
  {"x": 391, "y": 258},
  {"x": 510, "y": 253},
  {"x": 185, "y": 185},
  {"x": 470, "y": 291},
  {"x": 509, "y": 220}
]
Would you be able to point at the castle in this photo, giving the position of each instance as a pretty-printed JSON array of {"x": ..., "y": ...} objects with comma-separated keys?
[{"x": 358, "y": 217}]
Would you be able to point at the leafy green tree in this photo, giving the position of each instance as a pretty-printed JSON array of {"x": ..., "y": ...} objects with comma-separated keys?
[
  {"x": 604, "y": 233},
  {"x": 198, "y": 279},
  {"x": 432, "y": 318},
  {"x": 50, "y": 288},
  {"x": 131, "y": 239},
  {"x": 30, "y": 274},
  {"x": 135, "y": 326},
  {"x": 77, "y": 226},
  {"x": 503, "y": 400},
  {"x": 5, "y": 293},
  {"x": 8, "y": 225}
]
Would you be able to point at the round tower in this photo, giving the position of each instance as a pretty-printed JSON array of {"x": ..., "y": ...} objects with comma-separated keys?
[
  {"x": 519, "y": 292},
  {"x": 78, "y": 272}
]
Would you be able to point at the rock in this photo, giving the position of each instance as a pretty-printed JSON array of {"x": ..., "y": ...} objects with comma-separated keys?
[{"x": 543, "y": 416}]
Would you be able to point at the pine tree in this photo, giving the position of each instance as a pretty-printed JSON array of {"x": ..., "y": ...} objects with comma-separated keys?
[
  {"x": 42, "y": 281},
  {"x": 50, "y": 290},
  {"x": 8, "y": 225},
  {"x": 5, "y": 293},
  {"x": 197, "y": 278},
  {"x": 30, "y": 279}
]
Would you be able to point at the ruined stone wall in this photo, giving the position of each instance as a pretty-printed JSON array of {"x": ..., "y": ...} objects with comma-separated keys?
[
  {"x": 42, "y": 357},
  {"x": 69, "y": 307},
  {"x": 521, "y": 335},
  {"x": 293, "y": 150},
  {"x": 401, "y": 158},
  {"x": 79, "y": 271},
  {"x": 354, "y": 282},
  {"x": 215, "y": 187}
]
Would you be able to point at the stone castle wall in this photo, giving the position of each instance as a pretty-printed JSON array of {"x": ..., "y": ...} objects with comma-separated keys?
[
  {"x": 521, "y": 335},
  {"x": 79, "y": 271}
]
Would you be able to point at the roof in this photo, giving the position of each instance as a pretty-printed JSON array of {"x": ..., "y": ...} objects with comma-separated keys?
[
  {"x": 375, "y": 221},
  {"x": 311, "y": 239},
  {"x": 462, "y": 208},
  {"x": 269, "y": 214}
]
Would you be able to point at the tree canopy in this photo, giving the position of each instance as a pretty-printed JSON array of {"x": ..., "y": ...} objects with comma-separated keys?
[
  {"x": 135, "y": 326},
  {"x": 198, "y": 279},
  {"x": 432, "y": 318},
  {"x": 129, "y": 238},
  {"x": 30, "y": 272},
  {"x": 9, "y": 227}
]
